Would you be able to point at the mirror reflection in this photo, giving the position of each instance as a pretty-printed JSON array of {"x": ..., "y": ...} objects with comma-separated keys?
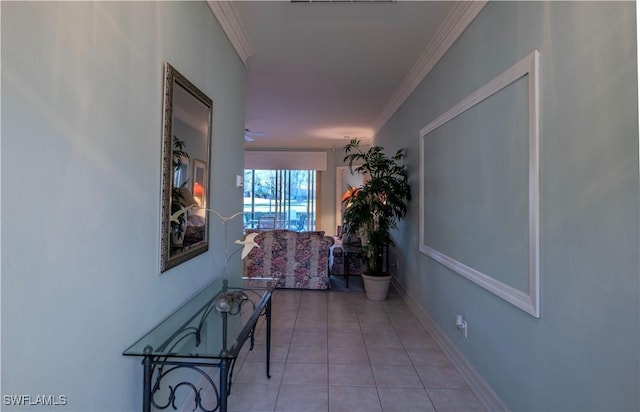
[{"x": 185, "y": 186}]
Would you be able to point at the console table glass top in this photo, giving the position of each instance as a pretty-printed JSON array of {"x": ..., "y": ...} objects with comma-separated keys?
[
  {"x": 197, "y": 330},
  {"x": 206, "y": 332}
]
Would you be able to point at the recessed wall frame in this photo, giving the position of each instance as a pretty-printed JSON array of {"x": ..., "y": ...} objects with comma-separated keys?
[{"x": 527, "y": 300}]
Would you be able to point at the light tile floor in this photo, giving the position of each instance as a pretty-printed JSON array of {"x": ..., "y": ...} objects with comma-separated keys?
[{"x": 338, "y": 351}]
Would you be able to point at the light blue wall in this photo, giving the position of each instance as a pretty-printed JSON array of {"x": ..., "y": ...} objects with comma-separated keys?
[
  {"x": 81, "y": 168},
  {"x": 583, "y": 353}
]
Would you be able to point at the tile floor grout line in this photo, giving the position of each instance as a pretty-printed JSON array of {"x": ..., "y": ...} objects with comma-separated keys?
[{"x": 362, "y": 312}]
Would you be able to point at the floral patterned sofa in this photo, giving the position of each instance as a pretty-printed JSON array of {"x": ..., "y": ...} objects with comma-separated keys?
[{"x": 298, "y": 259}]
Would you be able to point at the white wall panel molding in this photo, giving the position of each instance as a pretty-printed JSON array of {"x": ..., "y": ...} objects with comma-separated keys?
[{"x": 528, "y": 301}]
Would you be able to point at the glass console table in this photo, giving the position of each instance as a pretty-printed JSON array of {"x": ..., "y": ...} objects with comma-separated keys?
[{"x": 208, "y": 331}]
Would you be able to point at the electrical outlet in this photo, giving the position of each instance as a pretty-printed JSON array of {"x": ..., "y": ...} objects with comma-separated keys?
[{"x": 461, "y": 324}]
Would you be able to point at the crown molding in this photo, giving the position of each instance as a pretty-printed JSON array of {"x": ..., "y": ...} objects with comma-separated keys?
[
  {"x": 458, "y": 19},
  {"x": 228, "y": 17}
]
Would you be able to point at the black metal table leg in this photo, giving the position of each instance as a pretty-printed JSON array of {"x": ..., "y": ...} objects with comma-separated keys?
[
  {"x": 346, "y": 266},
  {"x": 146, "y": 396},
  {"x": 224, "y": 384},
  {"x": 268, "y": 316}
]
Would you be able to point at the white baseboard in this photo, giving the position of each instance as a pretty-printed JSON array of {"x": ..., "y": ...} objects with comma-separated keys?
[{"x": 487, "y": 396}]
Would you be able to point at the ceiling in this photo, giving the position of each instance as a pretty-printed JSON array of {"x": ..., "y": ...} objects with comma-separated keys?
[{"x": 321, "y": 72}]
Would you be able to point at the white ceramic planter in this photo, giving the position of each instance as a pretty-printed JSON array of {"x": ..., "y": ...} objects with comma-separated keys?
[{"x": 376, "y": 287}]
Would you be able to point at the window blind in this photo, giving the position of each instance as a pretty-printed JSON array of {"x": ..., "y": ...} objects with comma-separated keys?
[{"x": 259, "y": 160}]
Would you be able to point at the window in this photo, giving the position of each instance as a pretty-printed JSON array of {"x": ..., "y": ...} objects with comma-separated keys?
[{"x": 280, "y": 199}]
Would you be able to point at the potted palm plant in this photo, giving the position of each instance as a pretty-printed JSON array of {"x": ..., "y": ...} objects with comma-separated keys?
[
  {"x": 177, "y": 193},
  {"x": 374, "y": 208}
]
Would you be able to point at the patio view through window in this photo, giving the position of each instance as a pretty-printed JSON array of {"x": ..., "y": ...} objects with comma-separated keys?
[{"x": 280, "y": 199}]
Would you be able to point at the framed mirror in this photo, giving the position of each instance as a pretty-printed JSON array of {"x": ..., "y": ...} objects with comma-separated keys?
[{"x": 185, "y": 170}]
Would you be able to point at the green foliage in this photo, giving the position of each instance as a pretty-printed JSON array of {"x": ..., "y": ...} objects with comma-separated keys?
[
  {"x": 176, "y": 191},
  {"x": 378, "y": 205},
  {"x": 178, "y": 153}
]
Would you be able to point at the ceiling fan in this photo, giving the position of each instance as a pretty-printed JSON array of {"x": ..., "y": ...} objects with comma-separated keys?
[{"x": 250, "y": 136}]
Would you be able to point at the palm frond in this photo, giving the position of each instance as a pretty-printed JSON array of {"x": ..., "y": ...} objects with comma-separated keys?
[{"x": 379, "y": 203}]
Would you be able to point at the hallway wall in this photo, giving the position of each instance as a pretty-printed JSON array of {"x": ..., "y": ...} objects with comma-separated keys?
[
  {"x": 582, "y": 353},
  {"x": 82, "y": 90}
]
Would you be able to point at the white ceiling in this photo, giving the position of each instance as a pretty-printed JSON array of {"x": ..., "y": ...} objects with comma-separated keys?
[{"x": 323, "y": 71}]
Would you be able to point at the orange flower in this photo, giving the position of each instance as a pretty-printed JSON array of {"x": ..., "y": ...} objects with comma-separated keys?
[{"x": 351, "y": 192}]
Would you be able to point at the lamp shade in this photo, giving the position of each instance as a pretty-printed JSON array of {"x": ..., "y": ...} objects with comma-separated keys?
[{"x": 198, "y": 190}]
